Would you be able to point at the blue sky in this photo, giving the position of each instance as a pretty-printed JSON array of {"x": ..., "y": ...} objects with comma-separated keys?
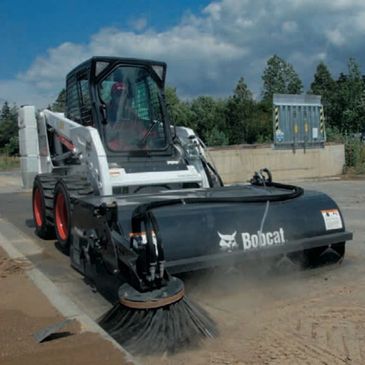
[
  {"x": 208, "y": 45},
  {"x": 29, "y": 28}
]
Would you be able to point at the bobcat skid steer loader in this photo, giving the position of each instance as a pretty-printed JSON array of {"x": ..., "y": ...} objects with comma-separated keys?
[{"x": 134, "y": 200}]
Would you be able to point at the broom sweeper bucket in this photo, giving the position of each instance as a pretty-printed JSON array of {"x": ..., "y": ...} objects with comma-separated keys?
[
  {"x": 144, "y": 239},
  {"x": 207, "y": 227}
]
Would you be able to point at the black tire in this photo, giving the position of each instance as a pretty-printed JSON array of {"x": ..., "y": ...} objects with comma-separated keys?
[
  {"x": 324, "y": 255},
  {"x": 62, "y": 215},
  {"x": 43, "y": 228}
]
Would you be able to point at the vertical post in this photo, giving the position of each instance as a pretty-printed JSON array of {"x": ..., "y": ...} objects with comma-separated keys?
[
  {"x": 28, "y": 145},
  {"x": 321, "y": 124}
]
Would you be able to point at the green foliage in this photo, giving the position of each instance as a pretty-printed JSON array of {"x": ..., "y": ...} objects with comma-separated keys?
[
  {"x": 280, "y": 77},
  {"x": 240, "y": 109},
  {"x": 355, "y": 155},
  {"x": 351, "y": 98},
  {"x": 9, "y": 129},
  {"x": 216, "y": 137},
  {"x": 12, "y": 147},
  {"x": 208, "y": 117},
  {"x": 60, "y": 104},
  {"x": 262, "y": 129},
  {"x": 343, "y": 99},
  {"x": 179, "y": 112},
  {"x": 324, "y": 85},
  {"x": 334, "y": 135}
]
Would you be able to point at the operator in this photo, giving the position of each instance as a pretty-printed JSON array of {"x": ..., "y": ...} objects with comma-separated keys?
[
  {"x": 125, "y": 128},
  {"x": 120, "y": 105}
]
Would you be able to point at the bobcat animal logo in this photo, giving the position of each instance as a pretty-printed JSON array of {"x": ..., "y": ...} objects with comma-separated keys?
[{"x": 228, "y": 242}]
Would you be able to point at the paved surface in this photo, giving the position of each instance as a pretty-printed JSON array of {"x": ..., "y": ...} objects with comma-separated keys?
[
  {"x": 304, "y": 317},
  {"x": 25, "y": 311},
  {"x": 34, "y": 297}
]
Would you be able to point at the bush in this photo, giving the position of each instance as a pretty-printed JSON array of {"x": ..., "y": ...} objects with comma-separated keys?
[
  {"x": 12, "y": 147},
  {"x": 216, "y": 138},
  {"x": 334, "y": 135},
  {"x": 355, "y": 155}
]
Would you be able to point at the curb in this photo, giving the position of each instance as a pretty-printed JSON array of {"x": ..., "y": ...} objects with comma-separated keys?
[{"x": 59, "y": 300}]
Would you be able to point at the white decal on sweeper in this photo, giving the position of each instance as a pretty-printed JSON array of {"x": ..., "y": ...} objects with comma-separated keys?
[
  {"x": 263, "y": 239},
  {"x": 228, "y": 242},
  {"x": 332, "y": 219},
  {"x": 252, "y": 241}
]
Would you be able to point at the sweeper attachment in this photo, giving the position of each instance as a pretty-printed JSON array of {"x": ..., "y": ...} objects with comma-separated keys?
[{"x": 135, "y": 201}]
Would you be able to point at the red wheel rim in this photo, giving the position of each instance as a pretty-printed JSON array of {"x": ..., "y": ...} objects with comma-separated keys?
[
  {"x": 61, "y": 216},
  {"x": 37, "y": 207}
]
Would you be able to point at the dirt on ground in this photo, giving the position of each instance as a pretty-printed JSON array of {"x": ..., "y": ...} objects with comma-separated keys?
[
  {"x": 287, "y": 315},
  {"x": 281, "y": 318},
  {"x": 24, "y": 311}
]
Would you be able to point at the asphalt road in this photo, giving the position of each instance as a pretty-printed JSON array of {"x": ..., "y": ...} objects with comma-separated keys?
[{"x": 305, "y": 317}]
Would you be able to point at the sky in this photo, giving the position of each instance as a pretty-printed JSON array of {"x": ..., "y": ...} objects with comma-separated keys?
[{"x": 208, "y": 45}]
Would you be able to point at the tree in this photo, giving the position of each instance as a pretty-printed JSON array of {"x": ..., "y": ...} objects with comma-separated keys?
[
  {"x": 5, "y": 113},
  {"x": 280, "y": 77},
  {"x": 294, "y": 84},
  {"x": 323, "y": 82},
  {"x": 60, "y": 104},
  {"x": 9, "y": 128},
  {"x": 216, "y": 137},
  {"x": 208, "y": 115},
  {"x": 262, "y": 129},
  {"x": 354, "y": 114},
  {"x": 240, "y": 108},
  {"x": 205, "y": 115},
  {"x": 325, "y": 86},
  {"x": 350, "y": 101},
  {"x": 179, "y": 112}
]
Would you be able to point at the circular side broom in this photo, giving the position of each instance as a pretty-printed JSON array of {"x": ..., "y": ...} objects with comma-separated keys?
[
  {"x": 159, "y": 319},
  {"x": 162, "y": 320}
]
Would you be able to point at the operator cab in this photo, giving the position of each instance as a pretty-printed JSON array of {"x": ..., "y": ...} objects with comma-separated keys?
[{"x": 123, "y": 99}]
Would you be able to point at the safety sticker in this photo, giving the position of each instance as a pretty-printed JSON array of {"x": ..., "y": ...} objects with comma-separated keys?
[
  {"x": 332, "y": 219},
  {"x": 279, "y": 135}
]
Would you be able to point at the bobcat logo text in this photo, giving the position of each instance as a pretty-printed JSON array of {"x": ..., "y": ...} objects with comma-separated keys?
[{"x": 249, "y": 241}]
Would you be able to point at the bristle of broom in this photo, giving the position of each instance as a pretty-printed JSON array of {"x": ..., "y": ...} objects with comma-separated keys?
[{"x": 168, "y": 329}]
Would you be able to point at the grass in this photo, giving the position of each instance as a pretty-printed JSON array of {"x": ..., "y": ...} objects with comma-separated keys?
[{"x": 9, "y": 162}]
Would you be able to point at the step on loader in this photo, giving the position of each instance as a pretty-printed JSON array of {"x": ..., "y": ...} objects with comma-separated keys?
[{"x": 136, "y": 201}]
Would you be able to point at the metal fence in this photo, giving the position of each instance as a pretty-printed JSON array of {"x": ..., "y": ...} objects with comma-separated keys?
[{"x": 298, "y": 121}]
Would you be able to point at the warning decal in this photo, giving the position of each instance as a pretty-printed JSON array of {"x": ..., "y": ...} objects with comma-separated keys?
[{"x": 332, "y": 219}]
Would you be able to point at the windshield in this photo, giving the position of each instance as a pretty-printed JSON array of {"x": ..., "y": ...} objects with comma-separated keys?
[{"x": 134, "y": 116}]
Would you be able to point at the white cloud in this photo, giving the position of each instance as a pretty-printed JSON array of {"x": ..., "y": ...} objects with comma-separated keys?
[
  {"x": 208, "y": 52},
  {"x": 213, "y": 10},
  {"x": 192, "y": 55},
  {"x": 336, "y": 37},
  {"x": 23, "y": 93}
]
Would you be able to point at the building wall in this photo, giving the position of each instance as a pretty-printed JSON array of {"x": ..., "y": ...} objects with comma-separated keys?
[{"x": 238, "y": 163}]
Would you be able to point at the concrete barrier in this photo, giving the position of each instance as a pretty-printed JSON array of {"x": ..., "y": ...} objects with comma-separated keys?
[{"x": 238, "y": 163}]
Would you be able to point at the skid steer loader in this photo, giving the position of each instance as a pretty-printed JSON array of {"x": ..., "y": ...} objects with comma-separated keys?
[{"x": 134, "y": 200}]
